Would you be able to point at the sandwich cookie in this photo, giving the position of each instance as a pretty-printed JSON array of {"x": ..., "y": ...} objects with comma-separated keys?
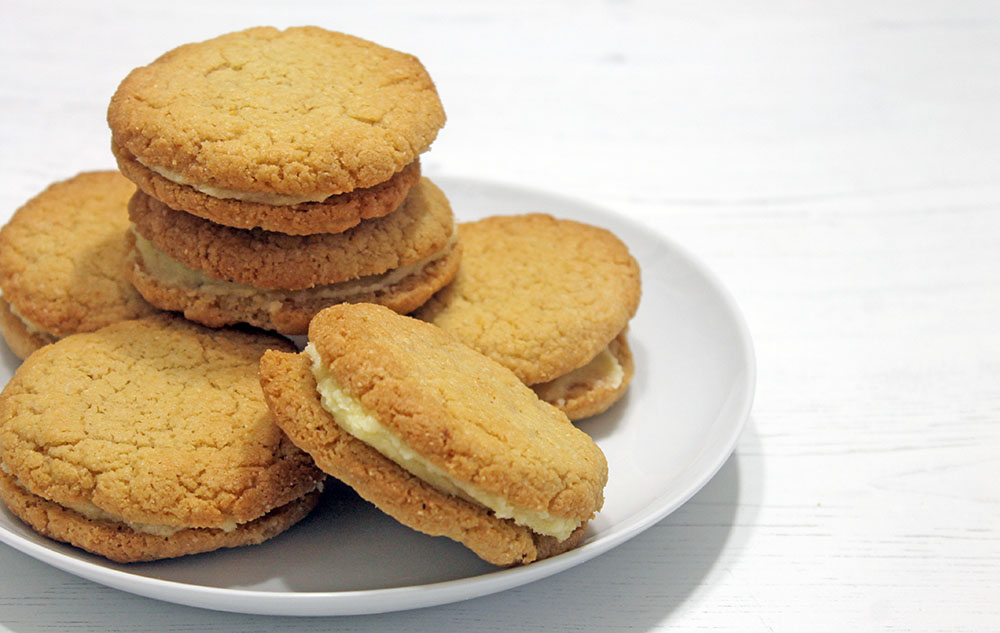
[
  {"x": 150, "y": 439},
  {"x": 61, "y": 261},
  {"x": 299, "y": 131},
  {"x": 550, "y": 300},
  {"x": 436, "y": 435},
  {"x": 218, "y": 275},
  {"x": 332, "y": 214}
]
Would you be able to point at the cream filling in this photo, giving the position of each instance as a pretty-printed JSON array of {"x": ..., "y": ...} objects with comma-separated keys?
[
  {"x": 263, "y": 197},
  {"x": 354, "y": 419},
  {"x": 174, "y": 273},
  {"x": 602, "y": 372},
  {"x": 31, "y": 327},
  {"x": 92, "y": 512}
]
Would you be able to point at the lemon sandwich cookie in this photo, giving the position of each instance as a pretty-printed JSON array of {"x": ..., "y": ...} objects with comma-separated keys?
[
  {"x": 219, "y": 275},
  {"x": 61, "y": 261},
  {"x": 150, "y": 439},
  {"x": 436, "y": 435},
  {"x": 549, "y": 299},
  {"x": 298, "y": 131}
]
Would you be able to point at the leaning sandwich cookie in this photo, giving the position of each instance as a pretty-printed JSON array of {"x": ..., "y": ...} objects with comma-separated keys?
[
  {"x": 150, "y": 439},
  {"x": 550, "y": 299},
  {"x": 436, "y": 435},
  {"x": 61, "y": 260}
]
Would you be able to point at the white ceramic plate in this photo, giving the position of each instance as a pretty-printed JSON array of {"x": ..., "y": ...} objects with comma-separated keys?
[{"x": 676, "y": 426}]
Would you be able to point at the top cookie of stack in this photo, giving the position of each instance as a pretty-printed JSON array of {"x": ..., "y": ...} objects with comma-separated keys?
[{"x": 298, "y": 132}]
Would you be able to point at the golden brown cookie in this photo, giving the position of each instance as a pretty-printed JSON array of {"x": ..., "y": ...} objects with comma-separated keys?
[
  {"x": 419, "y": 230},
  {"x": 436, "y": 435},
  {"x": 168, "y": 284},
  {"x": 302, "y": 114},
  {"x": 334, "y": 214},
  {"x": 149, "y": 439},
  {"x": 124, "y": 545},
  {"x": 543, "y": 297},
  {"x": 61, "y": 260}
]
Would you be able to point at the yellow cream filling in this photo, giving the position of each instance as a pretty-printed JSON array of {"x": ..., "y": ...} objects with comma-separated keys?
[
  {"x": 174, "y": 273},
  {"x": 602, "y": 372},
  {"x": 31, "y": 327},
  {"x": 92, "y": 512},
  {"x": 354, "y": 419},
  {"x": 263, "y": 197}
]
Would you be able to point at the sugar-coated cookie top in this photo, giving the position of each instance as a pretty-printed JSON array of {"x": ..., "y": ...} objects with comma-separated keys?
[
  {"x": 297, "y": 112},
  {"x": 539, "y": 295},
  {"x": 62, "y": 254},
  {"x": 156, "y": 421},
  {"x": 460, "y": 410}
]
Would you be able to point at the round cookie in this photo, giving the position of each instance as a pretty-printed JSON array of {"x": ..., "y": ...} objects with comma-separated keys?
[
  {"x": 334, "y": 214},
  {"x": 61, "y": 260},
  {"x": 304, "y": 112},
  {"x": 541, "y": 296},
  {"x": 149, "y": 439},
  {"x": 288, "y": 312},
  {"x": 111, "y": 540},
  {"x": 480, "y": 436},
  {"x": 170, "y": 285},
  {"x": 419, "y": 229}
]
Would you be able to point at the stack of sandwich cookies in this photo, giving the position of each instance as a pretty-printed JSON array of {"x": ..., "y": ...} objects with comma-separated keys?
[
  {"x": 61, "y": 261},
  {"x": 436, "y": 435},
  {"x": 171, "y": 452},
  {"x": 275, "y": 135},
  {"x": 550, "y": 300},
  {"x": 278, "y": 174}
]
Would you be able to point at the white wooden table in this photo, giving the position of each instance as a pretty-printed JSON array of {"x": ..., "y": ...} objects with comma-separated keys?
[{"x": 837, "y": 164}]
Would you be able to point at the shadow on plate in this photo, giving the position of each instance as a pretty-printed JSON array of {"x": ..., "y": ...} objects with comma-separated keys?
[
  {"x": 634, "y": 587},
  {"x": 346, "y": 544}
]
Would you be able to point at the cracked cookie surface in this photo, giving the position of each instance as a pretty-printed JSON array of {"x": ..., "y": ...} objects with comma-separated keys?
[
  {"x": 61, "y": 259},
  {"x": 154, "y": 421},
  {"x": 303, "y": 111},
  {"x": 540, "y": 295},
  {"x": 461, "y": 411},
  {"x": 465, "y": 415}
]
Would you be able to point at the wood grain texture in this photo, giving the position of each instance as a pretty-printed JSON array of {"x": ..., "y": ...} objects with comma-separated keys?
[{"x": 837, "y": 165}]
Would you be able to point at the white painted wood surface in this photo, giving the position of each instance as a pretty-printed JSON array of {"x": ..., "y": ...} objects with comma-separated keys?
[{"x": 837, "y": 164}]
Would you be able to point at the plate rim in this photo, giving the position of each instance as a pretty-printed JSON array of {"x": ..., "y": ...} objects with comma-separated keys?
[{"x": 389, "y": 599}]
